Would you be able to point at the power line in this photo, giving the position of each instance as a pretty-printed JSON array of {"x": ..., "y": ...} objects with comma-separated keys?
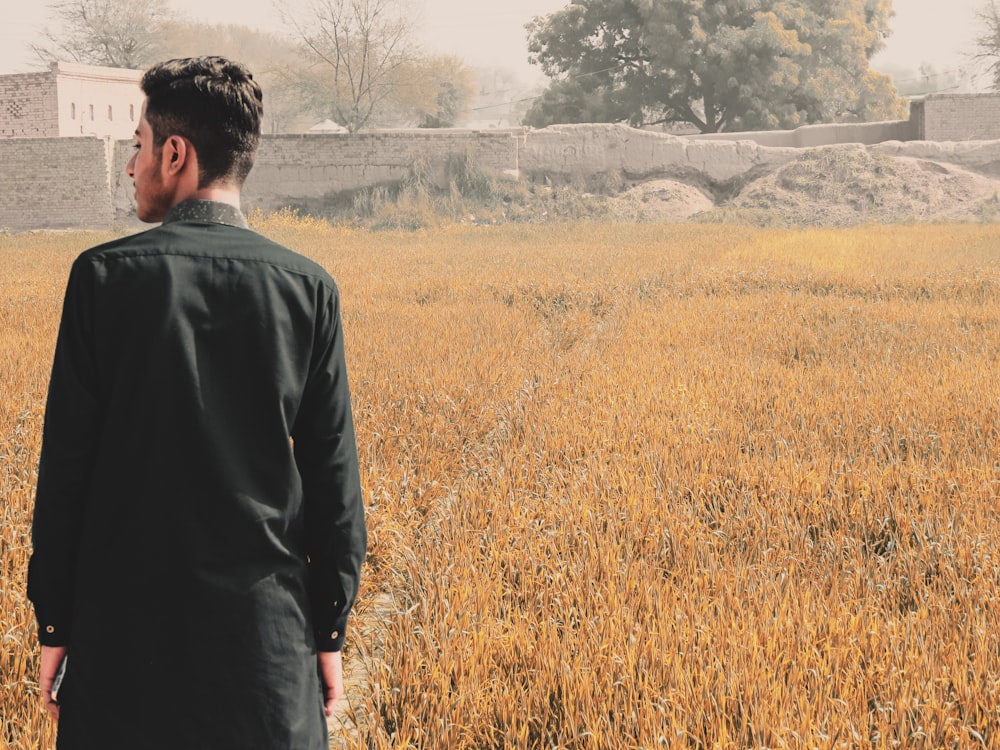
[
  {"x": 935, "y": 91},
  {"x": 957, "y": 71},
  {"x": 506, "y": 104}
]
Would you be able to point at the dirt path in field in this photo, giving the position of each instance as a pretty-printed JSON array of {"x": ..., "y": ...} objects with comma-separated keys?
[{"x": 834, "y": 186}]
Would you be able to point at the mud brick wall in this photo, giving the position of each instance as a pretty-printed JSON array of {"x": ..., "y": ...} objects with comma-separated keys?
[
  {"x": 961, "y": 117},
  {"x": 28, "y": 107},
  {"x": 291, "y": 169},
  {"x": 80, "y": 182},
  {"x": 55, "y": 183}
]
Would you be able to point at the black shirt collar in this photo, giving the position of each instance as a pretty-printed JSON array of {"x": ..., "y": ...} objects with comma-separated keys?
[{"x": 211, "y": 212}]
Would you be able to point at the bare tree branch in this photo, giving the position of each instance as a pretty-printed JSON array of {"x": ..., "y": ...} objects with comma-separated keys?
[
  {"x": 115, "y": 33},
  {"x": 987, "y": 43},
  {"x": 361, "y": 44}
]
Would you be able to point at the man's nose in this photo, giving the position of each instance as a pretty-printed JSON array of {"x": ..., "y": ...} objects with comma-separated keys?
[{"x": 130, "y": 167}]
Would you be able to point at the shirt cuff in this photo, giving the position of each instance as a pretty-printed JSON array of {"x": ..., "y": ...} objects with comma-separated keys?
[
  {"x": 332, "y": 637},
  {"x": 51, "y": 634}
]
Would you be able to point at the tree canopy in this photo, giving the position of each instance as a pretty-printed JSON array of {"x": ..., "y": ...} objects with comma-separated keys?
[
  {"x": 434, "y": 92},
  {"x": 720, "y": 65},
  {"x": 115, "y": 33}
]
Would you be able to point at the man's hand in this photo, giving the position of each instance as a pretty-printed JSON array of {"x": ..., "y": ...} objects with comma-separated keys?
[
  {"x": 52, "y": 657},
  {"x": 331, "y": 667}
]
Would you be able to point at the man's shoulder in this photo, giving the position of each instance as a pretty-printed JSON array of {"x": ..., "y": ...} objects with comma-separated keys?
[
  {"x": 113, "y": 247},
  {"x": 210, "y": 242}
]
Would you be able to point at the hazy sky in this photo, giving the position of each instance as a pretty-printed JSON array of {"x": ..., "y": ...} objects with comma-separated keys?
[{"x": 491, "y": 32}]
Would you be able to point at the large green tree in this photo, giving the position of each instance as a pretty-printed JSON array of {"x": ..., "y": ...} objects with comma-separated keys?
[{"x": 721, "y": 65}]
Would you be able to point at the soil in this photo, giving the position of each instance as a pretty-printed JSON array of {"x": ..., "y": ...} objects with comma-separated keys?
[
  {"x": 660, "y": 200},
  {"x": 833, "y": 186}
]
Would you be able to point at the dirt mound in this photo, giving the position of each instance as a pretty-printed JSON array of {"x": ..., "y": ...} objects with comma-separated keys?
[
  {"x": 660, "y": 200},
  {"x": 844, "y": 185}
]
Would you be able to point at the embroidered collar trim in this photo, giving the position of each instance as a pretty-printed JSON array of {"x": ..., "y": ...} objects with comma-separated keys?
[{"x": 211, "y": 212}]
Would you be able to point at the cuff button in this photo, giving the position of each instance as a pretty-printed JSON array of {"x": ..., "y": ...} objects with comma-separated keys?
[
  {"x": 50, "y": 629},
  {"x": 334, "y": 635}
]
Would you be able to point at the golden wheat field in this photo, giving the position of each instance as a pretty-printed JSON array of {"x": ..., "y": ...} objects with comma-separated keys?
[{"x": 634, "y": 486}]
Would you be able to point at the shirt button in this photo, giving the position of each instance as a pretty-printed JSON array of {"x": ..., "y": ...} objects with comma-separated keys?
[
  {"x": 334, "y": 635},
  {"x": 50, "y": 629}
]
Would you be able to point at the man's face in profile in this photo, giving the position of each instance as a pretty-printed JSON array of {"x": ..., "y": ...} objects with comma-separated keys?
[{"x": 146, "y": 170}]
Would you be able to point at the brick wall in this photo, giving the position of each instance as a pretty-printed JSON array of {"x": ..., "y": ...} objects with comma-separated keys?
[
  {"x": 70, "y": 100},
  {"x": 961, "y": 117},
  {"x": 299, "y": 169},
  {"x": 80, "y": 182},
  {"x": 54, "y": 183},
  {"x": 28, "y": 105},
  {"x": 811, "y": 136},
  {"x": 304, "y": 170}
]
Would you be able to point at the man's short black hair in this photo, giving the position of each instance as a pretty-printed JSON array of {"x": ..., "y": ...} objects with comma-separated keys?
[{"x": 215, "y": 104}]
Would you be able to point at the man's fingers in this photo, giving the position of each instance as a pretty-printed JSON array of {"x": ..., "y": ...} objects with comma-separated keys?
[
  {"x": 52, "y": 707},
  {"x": 332, "y": 697},
  {"x": 51, "y": 658}
]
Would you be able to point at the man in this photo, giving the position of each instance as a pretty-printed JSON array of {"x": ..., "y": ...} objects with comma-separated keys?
[{"x": 199, "y": 527}]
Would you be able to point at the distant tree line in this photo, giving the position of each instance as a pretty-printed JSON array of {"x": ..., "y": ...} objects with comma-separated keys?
[
  {"x": 352, "y": 61},
  {"x": 714, "y": 65}
]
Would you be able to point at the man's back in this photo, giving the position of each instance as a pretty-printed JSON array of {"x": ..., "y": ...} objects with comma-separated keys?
[{"x": 199, "y": 394}]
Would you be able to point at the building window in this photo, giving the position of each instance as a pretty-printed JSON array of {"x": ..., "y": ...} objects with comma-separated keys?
[
  {"x": 110, "y": 118},
  {"x": 72, "y": 111},
  {"x": 15, "y": 109},
  {"x": 91, "y": 112},
  {"x": 131, "y": 113}
]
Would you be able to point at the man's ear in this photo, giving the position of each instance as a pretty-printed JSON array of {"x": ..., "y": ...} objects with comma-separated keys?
[{"x": 177, "y": 152}]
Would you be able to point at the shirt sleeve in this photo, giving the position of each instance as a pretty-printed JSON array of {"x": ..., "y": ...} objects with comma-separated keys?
[
  {"x": 327, "y": 458},
  {"x": 69, "y": 444}
]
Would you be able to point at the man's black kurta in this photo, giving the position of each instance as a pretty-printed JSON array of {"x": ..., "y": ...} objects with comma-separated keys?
[{"x": 199, "y": 527}]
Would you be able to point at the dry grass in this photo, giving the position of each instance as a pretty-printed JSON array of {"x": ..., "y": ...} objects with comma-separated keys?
[
  {"x": 634, "y": 487},
  {"x": 33, "y": 270}
]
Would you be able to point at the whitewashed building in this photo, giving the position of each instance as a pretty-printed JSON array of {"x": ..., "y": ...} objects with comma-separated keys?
[{"x": 70, "y": 100}]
